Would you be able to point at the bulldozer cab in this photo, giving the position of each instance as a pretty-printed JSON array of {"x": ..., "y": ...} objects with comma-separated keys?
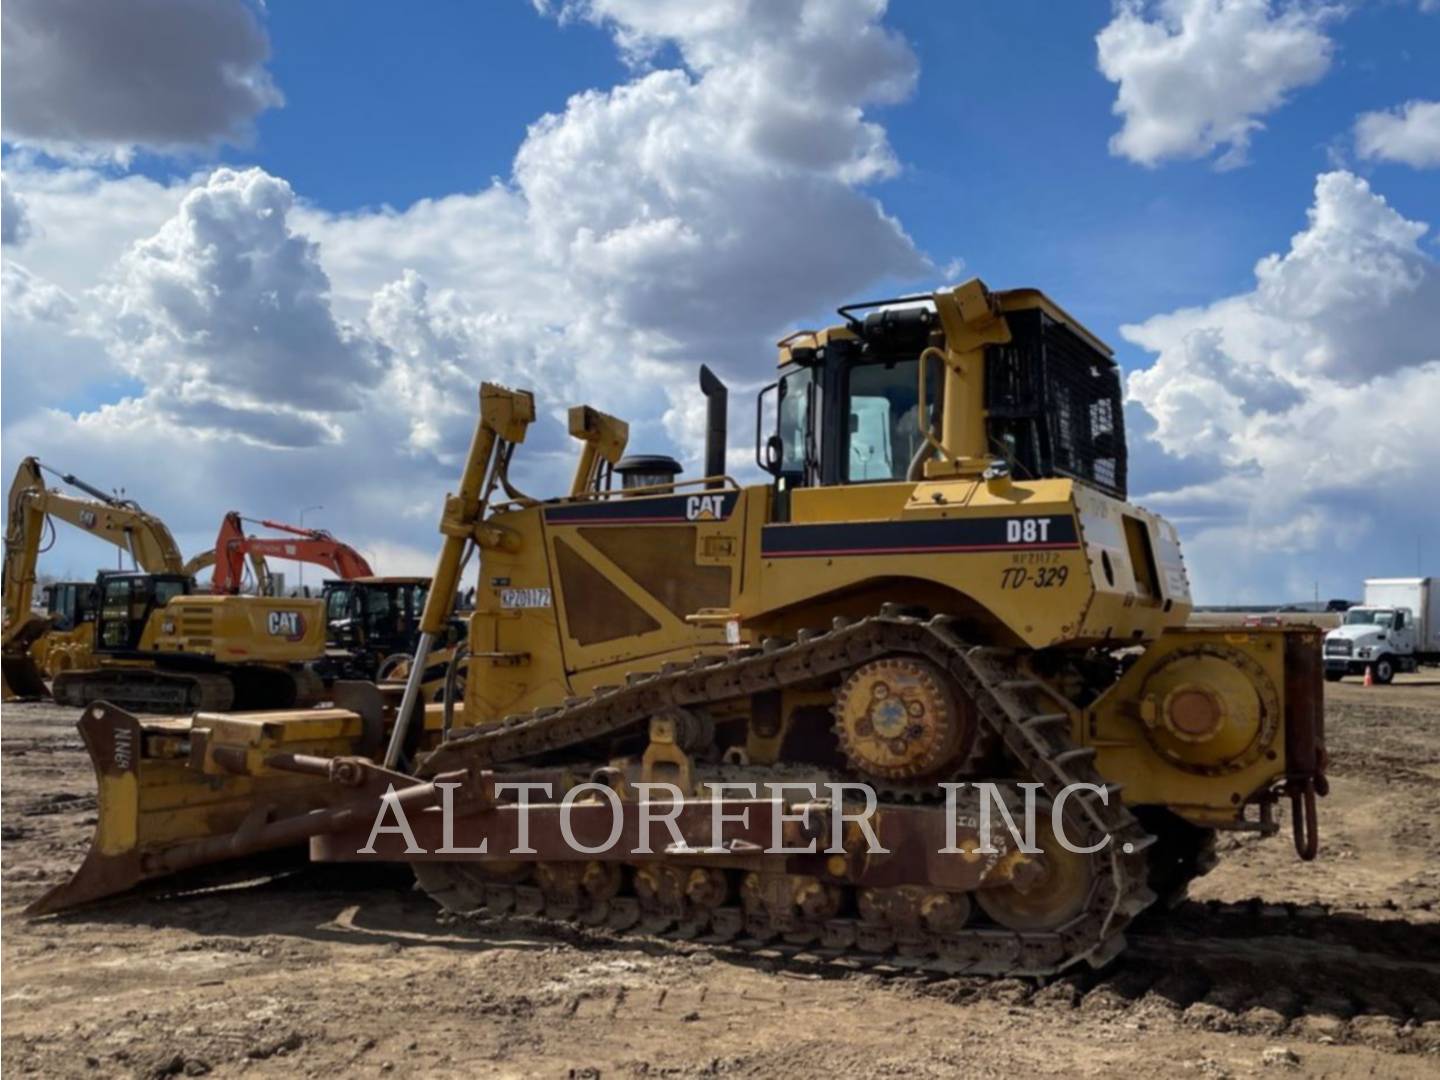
[
  {"x": 852, "y": 404},
  {"x": 70, "y": 603},
  {"x": 126, "y": 602}
]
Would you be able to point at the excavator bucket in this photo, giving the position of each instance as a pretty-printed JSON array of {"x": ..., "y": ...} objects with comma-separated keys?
[
  {"x": 22, "y": 678},
  {"x": 23, "y": 681}
]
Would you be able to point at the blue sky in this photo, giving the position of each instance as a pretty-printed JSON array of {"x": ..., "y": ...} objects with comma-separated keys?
[{"x": 430, "y": 237}]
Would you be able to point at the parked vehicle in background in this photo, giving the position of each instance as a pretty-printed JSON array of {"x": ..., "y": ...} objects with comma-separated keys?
[{"x": 1395, "y": 629}]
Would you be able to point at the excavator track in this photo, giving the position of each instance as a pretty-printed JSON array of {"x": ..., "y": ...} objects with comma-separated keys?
[
  {"x": 1017, "y": 710},
  {"x": 146, "y": 690},
  {"x": 155, "y": 690}
]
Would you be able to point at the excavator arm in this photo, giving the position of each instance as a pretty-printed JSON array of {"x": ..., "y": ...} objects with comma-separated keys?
[
  {"x": 233, "y": 546},
  {"x": 205, "y": 559},
  {"x": 116, "y": 521},
  {"x": 24, "y": 524}
]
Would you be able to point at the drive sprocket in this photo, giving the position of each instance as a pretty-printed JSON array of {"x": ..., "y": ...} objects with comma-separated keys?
[{"x": 901, "y": 720}]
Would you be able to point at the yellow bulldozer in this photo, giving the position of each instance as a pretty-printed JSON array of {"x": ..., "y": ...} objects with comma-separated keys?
[
  {"x": 788, "y": 714},
  {"x": 147, "y": 639}
]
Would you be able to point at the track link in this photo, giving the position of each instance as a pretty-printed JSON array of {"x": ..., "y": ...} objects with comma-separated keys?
[{"x": 1018, "y": 711}]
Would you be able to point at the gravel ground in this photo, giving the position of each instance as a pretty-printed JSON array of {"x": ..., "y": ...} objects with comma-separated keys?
[{"x": 1273, "y": 967}]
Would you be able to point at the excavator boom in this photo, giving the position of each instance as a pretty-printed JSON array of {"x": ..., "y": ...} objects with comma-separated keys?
[
  {"x": 233, "y": 546},
  {"x": 115, "y": 520}
]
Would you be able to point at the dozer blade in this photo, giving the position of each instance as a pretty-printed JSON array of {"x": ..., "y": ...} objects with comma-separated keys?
[{"x": 180, "y": 792}]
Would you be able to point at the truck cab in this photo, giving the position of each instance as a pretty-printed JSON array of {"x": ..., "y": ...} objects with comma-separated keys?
[{"x": 1392, "y": 631}]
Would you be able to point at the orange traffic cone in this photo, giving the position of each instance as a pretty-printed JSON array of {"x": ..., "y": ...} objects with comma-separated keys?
[{"x": 1369, "y": 675}]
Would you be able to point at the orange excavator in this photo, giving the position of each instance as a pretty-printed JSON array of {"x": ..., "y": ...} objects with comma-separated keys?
[
  {"x": 372, "y": 622},
  {"x": 233, "y": 547}
]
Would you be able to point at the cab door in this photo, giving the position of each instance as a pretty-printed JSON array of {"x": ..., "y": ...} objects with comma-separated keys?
[{"x": 120, "y": 622}]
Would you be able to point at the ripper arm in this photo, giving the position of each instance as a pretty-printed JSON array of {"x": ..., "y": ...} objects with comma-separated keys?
[{"x": 504, "y": 417}]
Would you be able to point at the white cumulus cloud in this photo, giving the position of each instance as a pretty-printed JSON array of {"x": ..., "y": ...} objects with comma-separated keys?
[
  {"x": 224, "y": 315},
  {"x": 1409, "y": 134},
  {"x": 15, "y": 225},
  {"x": 1196, "y": 76},
  {"x": 93, "y": 79},
  {"x": 687, "y": 215},
  {"x": 1313, "y": 396}
]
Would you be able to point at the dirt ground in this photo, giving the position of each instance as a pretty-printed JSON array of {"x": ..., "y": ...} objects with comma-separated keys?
[{"x": 1274, "y": 967}]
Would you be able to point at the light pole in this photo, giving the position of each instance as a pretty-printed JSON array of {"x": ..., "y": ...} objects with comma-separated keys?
[{"x": 303, "y": 512}]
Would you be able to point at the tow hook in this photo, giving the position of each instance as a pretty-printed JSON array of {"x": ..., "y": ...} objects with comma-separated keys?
[{"x": 1303, "y": 817}]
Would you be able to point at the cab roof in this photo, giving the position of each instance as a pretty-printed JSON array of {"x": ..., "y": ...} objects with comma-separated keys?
[{"x": 1009, "y": 300}]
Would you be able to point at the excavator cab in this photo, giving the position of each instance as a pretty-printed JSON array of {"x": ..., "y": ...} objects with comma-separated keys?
[
  {"x": 70, "y": 603},
  {"x": 126, "y": 602}
]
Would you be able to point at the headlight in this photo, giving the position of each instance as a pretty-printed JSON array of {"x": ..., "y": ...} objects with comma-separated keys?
[{"x": 1366, "y": 651}]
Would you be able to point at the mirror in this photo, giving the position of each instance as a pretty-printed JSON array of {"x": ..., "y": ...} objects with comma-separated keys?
[{"x": 774, "y": 453}]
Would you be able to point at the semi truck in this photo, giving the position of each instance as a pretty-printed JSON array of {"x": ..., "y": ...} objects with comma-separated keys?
[{"x": 1395, "y": 629}]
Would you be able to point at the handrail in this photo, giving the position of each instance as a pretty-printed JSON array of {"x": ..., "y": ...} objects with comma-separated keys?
[{"x": 922, "y": 409}]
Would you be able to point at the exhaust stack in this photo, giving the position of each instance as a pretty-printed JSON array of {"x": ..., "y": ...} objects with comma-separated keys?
[{"x": 717, "y": 408}]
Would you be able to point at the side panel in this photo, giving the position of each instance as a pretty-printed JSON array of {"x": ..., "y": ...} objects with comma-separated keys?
[
  {"x": 1136, "y": 566},
  {"x": 1016, "y": 552},
  {"x": 599, "y": 589},
  {"x": 239, "y": 629},
  {"x": 515, "y": 657},
  {"x": 630, "y": 573}
]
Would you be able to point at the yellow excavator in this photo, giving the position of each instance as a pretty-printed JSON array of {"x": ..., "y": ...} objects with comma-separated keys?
[
  {"x": 152, "y": 642},
  {"x": 940, "y": 597}
]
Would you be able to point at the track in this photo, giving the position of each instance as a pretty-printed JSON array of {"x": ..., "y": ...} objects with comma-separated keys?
[
  {"x": 153, "y": 689},
  {"x": 145, "y": 689},
  {"x": 1018, "y": 711}
]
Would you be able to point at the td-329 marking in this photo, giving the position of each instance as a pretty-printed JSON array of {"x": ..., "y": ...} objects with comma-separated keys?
[{"x": 1042, "y": 577}]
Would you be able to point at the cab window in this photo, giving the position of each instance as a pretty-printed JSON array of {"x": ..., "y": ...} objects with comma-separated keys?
[
  {"x": 165, "y": 591},
  {"x": 884, "y": 427},
  {"x": 337, "y": 606},
  {"x": 386, "y": 614},
  {"x": 799, "y": 393},
  {"x": 115, "y": 613}
]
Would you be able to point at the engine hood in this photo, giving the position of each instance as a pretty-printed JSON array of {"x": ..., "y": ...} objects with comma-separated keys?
[{"x": 1358, "y": 634}]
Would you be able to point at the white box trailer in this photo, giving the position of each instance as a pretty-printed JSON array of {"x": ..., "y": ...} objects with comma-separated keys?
[{"x": 1396, "y": 629}]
